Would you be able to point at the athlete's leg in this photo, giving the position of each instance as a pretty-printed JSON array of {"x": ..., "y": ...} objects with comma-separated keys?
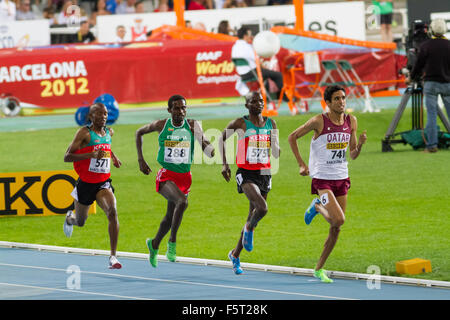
[
  {"x": 79, "y": 217},
  {"x": 107, "y": 201},
  {"x": 237, "y": 250},
  {"x": 259, "y": 203},
  {"x": 333, "y": 213},
  {"x": 165, "y": 225},
  {"x": 260, "y": 209},
  {"x": 170, "y": 191}
]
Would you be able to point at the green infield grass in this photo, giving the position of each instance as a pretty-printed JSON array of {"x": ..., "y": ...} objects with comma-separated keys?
[{"x": 398, "y": 204}]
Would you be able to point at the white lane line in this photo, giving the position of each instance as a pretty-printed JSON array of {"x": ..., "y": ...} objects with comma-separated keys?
[
  {"x": 72, "y": 291},
  {"x": 183, "y": 282}
]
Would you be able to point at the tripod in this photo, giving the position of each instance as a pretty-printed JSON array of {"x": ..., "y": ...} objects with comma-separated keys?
[{"x": 414, "y": 91}]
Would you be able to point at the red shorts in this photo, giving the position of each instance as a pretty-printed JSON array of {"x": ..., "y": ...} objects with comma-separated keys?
[
  {"x": 182, "y": 180},
  {"x": 338, "y": 187}
]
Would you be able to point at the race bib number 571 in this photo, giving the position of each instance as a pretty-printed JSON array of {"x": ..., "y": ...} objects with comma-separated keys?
[{"x": 102, "y": 165}]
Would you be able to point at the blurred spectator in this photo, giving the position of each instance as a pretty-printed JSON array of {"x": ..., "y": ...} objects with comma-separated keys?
[
  {"x": 100, "y": 10},
  {"x": 7, "y": 11},
  {"x": 162, "y": 7},
  {"x": 111, "y": 6},
  {"x": 84, "y": 35},
  {"x": 278, "y": 2},
  {"x": 63, "y": 16},
  {"x": 384, "y": 10},
  {"x": 234, "y": 4},
  {"x": 199, "y": 26},
  {"x": 24, "y": 11},
  {"x": 188, "y": 23},
  {"x": 224, "y": 27},
  {"x": 49, "y": 14},
  {"x": 126, "y": 7},
  {"x": 139, "y": 7},
  {"x": 199, "y": 5},
  {"x": 120, "y": 32}
]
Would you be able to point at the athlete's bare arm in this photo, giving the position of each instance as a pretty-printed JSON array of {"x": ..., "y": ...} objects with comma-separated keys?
[
  {"x": 157, "y": 126},
  {"x": 314, "y": 124},
  {"x": 275, "y": 141},
  {"x": 199, "y": 135},
  {"x": 80, "y": 140},
  {"x": 237, "y": 125},
  {"x": 355, "y": 146},
  {"x": 116, "y": 161}
]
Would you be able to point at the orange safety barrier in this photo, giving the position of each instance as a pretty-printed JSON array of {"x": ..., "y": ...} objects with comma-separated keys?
[
  {"x": 183, "y": 33},
  {"x": 327, "y": 37}
]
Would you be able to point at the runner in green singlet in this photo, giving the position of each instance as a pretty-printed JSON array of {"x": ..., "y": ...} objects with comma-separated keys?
[{"x": 173, "y": 181}]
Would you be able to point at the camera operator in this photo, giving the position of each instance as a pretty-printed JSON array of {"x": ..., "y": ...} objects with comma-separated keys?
[{"x": 433, "y": 63}]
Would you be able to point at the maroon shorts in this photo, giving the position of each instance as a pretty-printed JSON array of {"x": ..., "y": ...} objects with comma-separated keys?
[
  {"x": 338, "y": 187},
  {"x": 182, "y": 180}
]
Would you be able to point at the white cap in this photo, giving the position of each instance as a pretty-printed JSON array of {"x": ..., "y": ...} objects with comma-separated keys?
[{"x": 438, "y": 27}]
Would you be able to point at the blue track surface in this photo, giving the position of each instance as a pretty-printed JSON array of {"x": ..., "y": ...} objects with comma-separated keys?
[{"x": 31, "y": 274}]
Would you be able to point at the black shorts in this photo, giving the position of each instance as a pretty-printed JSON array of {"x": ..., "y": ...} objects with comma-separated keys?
[
  {"x": 86, "y": 193},
  {"x": 262, "y": 179},
  {"x": 386, "y": 18}
]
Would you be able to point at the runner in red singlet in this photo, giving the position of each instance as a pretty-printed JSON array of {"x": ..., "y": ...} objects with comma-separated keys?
[
  {"x": 257, "y": 139},
  {"x": 90, "y": 152}
]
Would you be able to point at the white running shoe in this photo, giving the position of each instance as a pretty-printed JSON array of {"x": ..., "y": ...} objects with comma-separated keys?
[
  {"x": 68, "y": 228},
  {"x": 114, "y": 263}
]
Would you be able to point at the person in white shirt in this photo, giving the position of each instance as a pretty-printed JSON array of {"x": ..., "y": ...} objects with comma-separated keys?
[
  {"x": 120, "y": 32},
  {"x": 126, "y": 7},
  {"x": 7, "y": 11},
  {"x": 243, "y": 48},
  {"x": 24, "y": 12}
]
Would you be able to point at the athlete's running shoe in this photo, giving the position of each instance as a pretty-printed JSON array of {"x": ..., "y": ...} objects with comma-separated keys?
[
  {"x": 311, "y": 212},
  {"x": 153, "y": 257},
  {"x": 114, "y": 263},
  {"x": 247, "y": 239},
  {"x": 68, "y": 228},
  {"x": 171, "y": 253},
  {"x": 236, "y": 263},
  {"x": 322, "y": 275}
]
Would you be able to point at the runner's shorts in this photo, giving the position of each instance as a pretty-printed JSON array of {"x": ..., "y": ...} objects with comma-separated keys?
[
  {"x": 386, "y": 18},
  {"x": 182, "y": 180},
  {"x": 85, "y": 193},
  {"x": 338, "y": 187},
  {"x": 261, "y": 178}
]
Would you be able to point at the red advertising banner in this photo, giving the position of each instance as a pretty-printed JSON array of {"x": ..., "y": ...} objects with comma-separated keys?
[{"x": 74, "y": 75}]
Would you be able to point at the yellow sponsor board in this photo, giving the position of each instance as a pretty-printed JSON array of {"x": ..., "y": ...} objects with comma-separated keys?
[{"x": 39, "y": 193}]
